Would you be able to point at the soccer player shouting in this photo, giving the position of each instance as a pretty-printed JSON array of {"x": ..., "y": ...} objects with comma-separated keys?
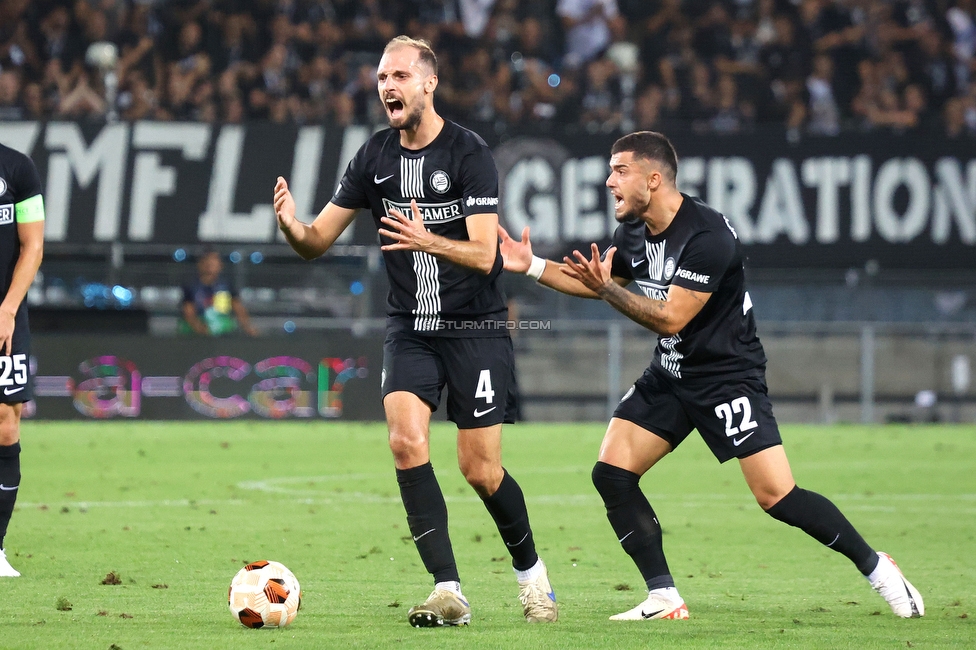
[
  {"x": 708, "y": 370},
  {"x": 21, "y": 249},
  {"x": 432, "y": 189}
]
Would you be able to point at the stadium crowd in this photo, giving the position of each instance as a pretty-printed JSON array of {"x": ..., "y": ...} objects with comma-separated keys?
[{"x": 723, "y": 66}]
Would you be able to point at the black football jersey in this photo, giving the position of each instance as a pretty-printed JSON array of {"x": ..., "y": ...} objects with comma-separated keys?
[
  {"x": 699, "y": 251},
  {"x": 451, "y": 178},
  {"x": 20, "y": 201}
]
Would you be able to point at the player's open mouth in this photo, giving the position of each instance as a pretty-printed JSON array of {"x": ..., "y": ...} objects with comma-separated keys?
[
  {"x": 394, "y": 107},
  {"x": 618, "y": 201}
]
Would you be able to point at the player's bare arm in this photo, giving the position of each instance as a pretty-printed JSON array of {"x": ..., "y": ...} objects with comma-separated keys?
[
  {"x": 191, "y": 318},
  {"x": 478, "y": 253},
  {"x": 664, "y": 317},
  {"x": 314, "y": 239},
  {"x": 31, "y": 236},
  {"x": 517, "y": 256},
  {"x": 243, "y": 318}
]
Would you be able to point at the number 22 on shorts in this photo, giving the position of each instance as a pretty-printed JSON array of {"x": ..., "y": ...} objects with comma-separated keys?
[{"x": 727, "y": 410}]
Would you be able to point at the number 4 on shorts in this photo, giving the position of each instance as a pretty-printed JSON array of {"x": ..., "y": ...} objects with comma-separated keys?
[{"x": 484, "y": 387}]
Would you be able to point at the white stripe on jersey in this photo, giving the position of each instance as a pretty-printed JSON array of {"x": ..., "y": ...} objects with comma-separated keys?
[
  {"x": 412, "y": 177},
  {"x": 671, "y": 359},
  {"x": 425, "y": 268},
  {"x": 428, "y": 292},
  {"x": 655, "y": 259}
]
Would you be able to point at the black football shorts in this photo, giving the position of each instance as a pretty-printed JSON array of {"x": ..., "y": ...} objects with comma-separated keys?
[
  {"x": 16, "y": 383},
  {"x": 479, "y": 374},
  {"x": 733, "y": 416}
]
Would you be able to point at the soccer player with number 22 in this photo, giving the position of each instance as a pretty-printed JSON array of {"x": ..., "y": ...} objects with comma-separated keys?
[{"x": 708, "y": 371}]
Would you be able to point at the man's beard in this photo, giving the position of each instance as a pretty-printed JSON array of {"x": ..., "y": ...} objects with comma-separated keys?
[
  {"x": 633, "y": 213},
  {"x": 411, "y": 121}
]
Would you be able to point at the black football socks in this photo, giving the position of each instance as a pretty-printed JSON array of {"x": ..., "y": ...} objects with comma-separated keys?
[
  {"x": 427, "y": 520},
  {"x": 819, "y": 518},
  {"x": 507, "y": 508},
  {"x": 9, "y": 484},
  {"x": 634, "y": 522}
]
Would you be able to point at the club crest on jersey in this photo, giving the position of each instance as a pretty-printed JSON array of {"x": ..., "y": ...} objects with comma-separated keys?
[
  {"x": 3, "y": 186},
  {"x": 440, "y": 182},
  {"x": 669, "y": 268}
]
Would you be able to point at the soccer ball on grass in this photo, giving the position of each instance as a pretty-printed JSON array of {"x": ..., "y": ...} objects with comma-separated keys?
[{"x": 264, "y": 594}]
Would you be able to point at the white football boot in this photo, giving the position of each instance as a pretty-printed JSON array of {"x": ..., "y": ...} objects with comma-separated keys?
[
  {"x": 442, "y": 608},
  {"x": 538, "y": 599},
  {"x": 7, "y": 571},
  {"x": 904, "y": 599},
  {"x": 657, "y": 606}
]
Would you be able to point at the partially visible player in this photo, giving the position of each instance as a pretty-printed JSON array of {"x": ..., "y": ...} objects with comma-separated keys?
[
  {"x": 432, "y": 189},
  {"x": 21, "y": 249},
  {"x": 708, "y": 372}
]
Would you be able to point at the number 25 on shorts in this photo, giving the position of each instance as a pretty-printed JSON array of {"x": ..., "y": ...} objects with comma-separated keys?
[{"x": 13, "y": 372}]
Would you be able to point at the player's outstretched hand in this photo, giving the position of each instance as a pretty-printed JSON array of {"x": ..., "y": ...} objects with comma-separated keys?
[
  {"x": 593, "y": 273},
  {"x": 516, "y": 255},
  {"x": 284, "y": 205},
  {"x": 407, "y": 234}
]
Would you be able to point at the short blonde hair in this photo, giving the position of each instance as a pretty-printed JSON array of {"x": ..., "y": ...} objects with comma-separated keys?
[{"x": 427, "y": 56}]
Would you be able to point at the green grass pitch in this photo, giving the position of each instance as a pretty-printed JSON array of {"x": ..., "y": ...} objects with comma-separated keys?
[{"x": 174, "y": 509}]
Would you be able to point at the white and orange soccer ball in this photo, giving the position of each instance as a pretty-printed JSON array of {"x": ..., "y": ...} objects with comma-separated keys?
[{"x": 264, "y": 594}]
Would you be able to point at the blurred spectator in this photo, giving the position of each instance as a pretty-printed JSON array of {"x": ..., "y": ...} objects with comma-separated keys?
[
  {"x": 954, "y": 119},
  {"x": 731, "y": 114},
  {"x": 648, "y": 111},
  {"x": 475, "y": 15},
  {"x": 589, "y": 27},
  {"x": 211, "y": 305},
  {"x": 933, "y": 67},
  {"x": 823, "y": 112},
  {"x": 10, "y": 106},
  {"x": 601, "y": 97},
  {"x": 82, "y": 96},
  {"x": 962, "y": 22}
]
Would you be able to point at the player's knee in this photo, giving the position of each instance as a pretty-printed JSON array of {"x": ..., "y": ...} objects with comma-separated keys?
[
  {"x": 613, "y": 483},
  {"x": 9, "y": 423},
  {"x": 483, "y": 477},
  {"x": 406, "y": 443},
  {"x": 770, "y": 497}
]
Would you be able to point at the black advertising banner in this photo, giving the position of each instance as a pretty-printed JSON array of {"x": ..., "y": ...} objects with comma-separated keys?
[
  {"x": 828, "y": 202},
  {"x": 332, "y": 376},
  {"x": 904, "y": 202}
]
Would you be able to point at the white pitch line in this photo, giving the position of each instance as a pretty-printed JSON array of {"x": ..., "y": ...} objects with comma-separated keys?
[{"x": 288, "y": 486}]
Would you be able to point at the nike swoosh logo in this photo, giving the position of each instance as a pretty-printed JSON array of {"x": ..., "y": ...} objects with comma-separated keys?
[
  {"x": 416, "y": 537},
  {"x": 621, "y": 540},
  {"x": 518, "y": 542},
  {"x": 636, "y": 262},
  {"x": 378, "y": 180},
  {"x": 742, "y": 439},
  {"x": 8, "y": 489},
  {"x": 650, "y": 614},
  {"x": 8, "y": 391},
  {"x": 478, "y": 413}
]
